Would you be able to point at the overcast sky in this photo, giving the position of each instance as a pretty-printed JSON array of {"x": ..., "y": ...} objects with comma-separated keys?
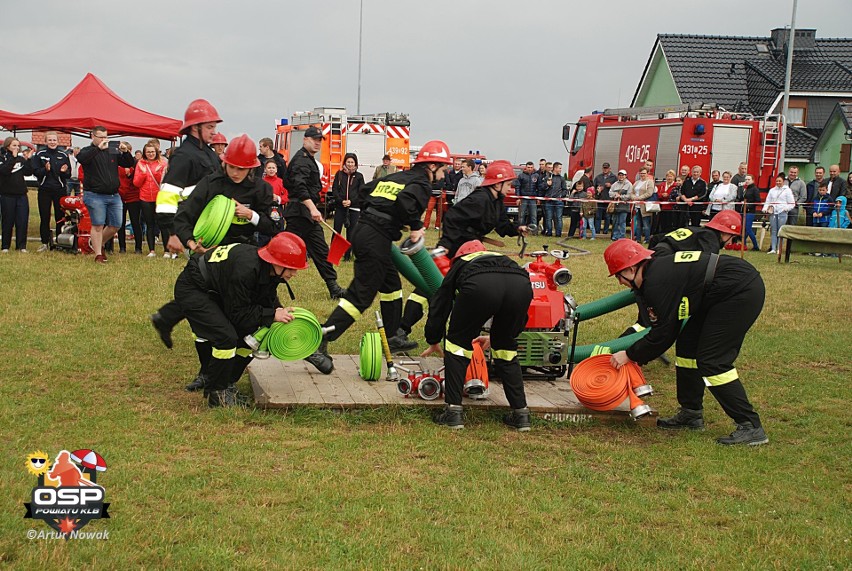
[{"x": 496, "y": 76}]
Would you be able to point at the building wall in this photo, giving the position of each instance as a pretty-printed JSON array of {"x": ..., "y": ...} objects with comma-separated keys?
[
  {"x": 827, "y": 152},
  {"x": 659, "y": 87}
]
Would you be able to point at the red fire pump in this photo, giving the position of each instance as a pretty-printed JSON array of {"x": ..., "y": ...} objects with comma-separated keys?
[{"x": 76, "y": 231}]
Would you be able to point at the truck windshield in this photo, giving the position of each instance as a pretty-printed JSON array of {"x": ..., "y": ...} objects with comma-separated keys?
[{"x": 579, "y": 137}]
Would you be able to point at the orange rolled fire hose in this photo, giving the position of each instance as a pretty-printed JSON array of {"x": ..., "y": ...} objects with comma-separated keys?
[{"x": 600, "y": 386}]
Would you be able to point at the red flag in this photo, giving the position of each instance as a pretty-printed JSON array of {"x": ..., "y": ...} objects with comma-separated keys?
[{"x": 339, "y": 246}]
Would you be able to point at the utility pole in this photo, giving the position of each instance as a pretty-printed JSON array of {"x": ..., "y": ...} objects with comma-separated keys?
[
  {"x": 360, "y": 42},
  {"x": 785, "y": 109}
]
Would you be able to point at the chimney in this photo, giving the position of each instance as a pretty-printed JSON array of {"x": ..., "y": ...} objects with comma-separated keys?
[{"x": 805, "y": 39}]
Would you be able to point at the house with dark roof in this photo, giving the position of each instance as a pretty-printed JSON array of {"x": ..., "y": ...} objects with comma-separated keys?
[{"x": 746, "y": 74}]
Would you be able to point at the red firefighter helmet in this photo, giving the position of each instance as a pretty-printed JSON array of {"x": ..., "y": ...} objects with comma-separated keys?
[
  {"x": 727, "y": 221},
  {"x": 469, "y": 247},
  {"x": 286, "y": 250},
  {"x": 434, "y": 152},
  {"x": 498, "y": 171},
  {"x": 624, "y": 253},
  {"x": 241, "y": 152},
  {"x": 199, "y": 111},
  {"x": 220, "y": 139}
]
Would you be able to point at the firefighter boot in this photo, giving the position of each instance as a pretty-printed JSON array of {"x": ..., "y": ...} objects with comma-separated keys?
[
  {"x": 162, "y": 328},
  {"x": 451, "y": 417},
  {"x": 321, "y": 359},
  {"x": 519, "y": 418},
  {"x": 685, "y": 418},
  {"x": 400, "y": 342},
  {"x": 334, "y": 289},
  {"x": 197, "y": 383},
  {"x": 746, "y": 434}
]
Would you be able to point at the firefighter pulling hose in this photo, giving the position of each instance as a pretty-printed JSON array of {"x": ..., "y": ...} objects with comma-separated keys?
[
  {"x": 722, "y": 296},
  {"x": 388, "y": 205}
]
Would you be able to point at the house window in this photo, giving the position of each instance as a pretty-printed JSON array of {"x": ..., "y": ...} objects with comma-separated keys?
[{"x": 797, "y": 112}]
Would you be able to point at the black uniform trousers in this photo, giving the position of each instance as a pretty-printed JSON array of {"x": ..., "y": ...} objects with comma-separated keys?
[
  {"x": 706, "y": 350},
  {"x": 374, "y": 273},
  {"x": 46, "y": 199},
  {"x": 506, "y": 298},
  {"x": 229, "y": 354},
  {"x": 694, "y": 214},
  {"x": 311, "y": 233}
]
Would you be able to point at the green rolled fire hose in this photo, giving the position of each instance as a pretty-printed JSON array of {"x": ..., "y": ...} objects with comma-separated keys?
[
  {"x": 605, "y": 305},
  {"x": 213, "y": 224},
  {"x": 371, "y": 356},
  {"x": 291, "y": 341}
]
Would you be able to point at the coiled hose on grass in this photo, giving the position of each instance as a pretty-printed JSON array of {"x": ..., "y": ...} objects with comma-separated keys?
[{"x": 214, "y": 222}]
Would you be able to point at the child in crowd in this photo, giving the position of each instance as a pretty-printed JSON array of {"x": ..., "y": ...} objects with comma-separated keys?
[
  {"x": 270, "y": 175},
  {"x": 822, "y": 206},
  {"x": 589, "y": 208},
  {"x": 839, "y": 215}
]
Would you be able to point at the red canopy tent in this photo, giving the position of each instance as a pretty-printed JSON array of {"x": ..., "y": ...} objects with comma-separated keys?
[{"x": 89, "y": 104}]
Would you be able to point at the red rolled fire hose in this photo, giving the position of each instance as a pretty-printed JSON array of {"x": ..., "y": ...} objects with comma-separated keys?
[{"x": 600, "y": 386}]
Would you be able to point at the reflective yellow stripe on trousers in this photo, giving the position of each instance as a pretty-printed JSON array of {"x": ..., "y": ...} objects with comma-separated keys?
[
  {"x": 685, "y": 363},
  {"x": 722, "y": 378},
  {"x": 451, "y": 347},
  {"x": 418, "y": 299},
  {"x": 347, "y": 306},
  {"x": 392, "y": 296},
  {"x": 224, "y": 353},
  {"x": 504, "y": 354}
]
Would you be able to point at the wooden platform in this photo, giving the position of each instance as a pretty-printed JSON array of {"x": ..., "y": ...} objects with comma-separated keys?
[{"x": 284, "y": 385}]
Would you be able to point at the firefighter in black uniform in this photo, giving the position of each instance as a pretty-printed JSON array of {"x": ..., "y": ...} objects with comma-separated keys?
[
  {"x": 228, "y": 293},
  {"x": 722, "y": 296},
  {"x": 718, "y": 233},
  {"x": 711, "y": 238},
  {"x": 387, "y": 205},
  {"x": 253, "y": 198},
  {"x": 303, "y": 217},
  {"x": 191, "y": 161},
  {"x": 480, "y": 286},
  {"x": 471, "y": 219}
]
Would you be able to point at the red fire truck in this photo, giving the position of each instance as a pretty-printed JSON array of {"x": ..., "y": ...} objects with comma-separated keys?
[
  {"x": 370, "y": 137},
  {"x": 673, "y": 136}
]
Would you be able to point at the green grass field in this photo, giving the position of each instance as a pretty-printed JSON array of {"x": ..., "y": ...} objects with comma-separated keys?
[{"x": 386, "y": 489}]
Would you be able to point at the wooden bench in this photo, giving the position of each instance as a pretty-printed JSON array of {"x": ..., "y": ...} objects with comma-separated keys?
[{"x": 809, "y": 239}]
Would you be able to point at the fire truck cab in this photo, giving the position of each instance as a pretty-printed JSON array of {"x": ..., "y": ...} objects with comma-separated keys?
[{"x": 673, "y": 136}]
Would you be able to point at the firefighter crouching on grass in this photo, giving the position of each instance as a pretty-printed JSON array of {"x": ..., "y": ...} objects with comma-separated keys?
[
  {"x": 722, "y": 296},
  {"x": 471, "y": 219},
  {"x": 479, "y": 286},
  {"x": 253, "y": 198},
  {"x": 387, "y": 205},
  {"x": 229, "y": 293}
]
